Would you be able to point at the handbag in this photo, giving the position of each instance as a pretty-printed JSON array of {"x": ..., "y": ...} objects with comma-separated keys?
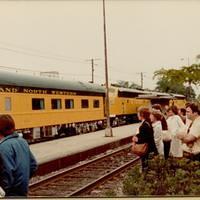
[
  {"x": 166, "y": 135},
  {"x": 140, "y": 149}
]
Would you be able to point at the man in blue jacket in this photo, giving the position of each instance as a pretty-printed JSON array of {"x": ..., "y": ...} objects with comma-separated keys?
[{"x": 17, "y": 162}]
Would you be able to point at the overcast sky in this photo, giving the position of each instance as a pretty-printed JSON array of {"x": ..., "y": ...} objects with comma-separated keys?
[{"x": 142, "y": 36}]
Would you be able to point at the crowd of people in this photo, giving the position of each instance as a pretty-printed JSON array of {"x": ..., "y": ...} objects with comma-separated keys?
[{"x": 175, "y": 132}]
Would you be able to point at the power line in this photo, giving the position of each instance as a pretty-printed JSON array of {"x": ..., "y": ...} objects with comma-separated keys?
[
  {"x": 39, "y": 51},
  {"x": 42, "y": 56},
  {"x": 16, "y": 69}
]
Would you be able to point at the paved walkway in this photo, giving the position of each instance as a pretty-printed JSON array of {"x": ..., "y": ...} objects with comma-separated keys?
[{"x": 59, "y": 148}]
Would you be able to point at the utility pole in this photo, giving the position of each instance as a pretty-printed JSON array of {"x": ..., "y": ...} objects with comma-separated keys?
[
  {"x": 92, "y": 70},
  {"x": 108, "y": 130},
  {"x": 142, "y": 79},
  {"x": 92, "y": 64}
]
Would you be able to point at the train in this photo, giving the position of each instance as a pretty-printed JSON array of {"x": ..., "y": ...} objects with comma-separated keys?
[{"x": 45, "y": 107}]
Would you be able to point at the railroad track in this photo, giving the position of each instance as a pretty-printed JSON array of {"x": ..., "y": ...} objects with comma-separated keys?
[{"x": 83, "y": 178}]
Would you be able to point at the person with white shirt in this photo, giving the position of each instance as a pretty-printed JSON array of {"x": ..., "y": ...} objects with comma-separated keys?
[
  {"x": 175, "y": 125},
  {"x": 156, "y": 117},
  {"x": 166, "y": 136},
  {"x": 191, "y": 138}
]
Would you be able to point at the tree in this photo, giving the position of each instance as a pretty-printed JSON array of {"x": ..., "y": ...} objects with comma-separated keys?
[
  {"x": 198, "y": 57},
  {"x": 173, "y": 80},
  {"x": 123, "y": 84},
  {"x": 192, "y": 74},
  {"x": 135, "y": 86},
  {"x": 171, "y": 75},
  {"x": 189, "y": 93},
  {"x": 126, "y": 84},
  {"x": 164, "y": 85}
]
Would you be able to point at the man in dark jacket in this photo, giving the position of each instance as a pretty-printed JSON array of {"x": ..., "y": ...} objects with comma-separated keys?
[{"x": 18, "y": 163}]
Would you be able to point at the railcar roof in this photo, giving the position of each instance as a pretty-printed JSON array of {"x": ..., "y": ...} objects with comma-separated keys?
[
  {"x": 151, "y": 96},
  {"x": 178, "y": 95},
  {"x": 133, "y": 90},
  {"x": 23, "y": 80},
  {"x": 160, "y": 94}
]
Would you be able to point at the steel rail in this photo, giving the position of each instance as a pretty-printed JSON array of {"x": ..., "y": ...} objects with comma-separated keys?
[
  {"x": 103, "y": 178},
  {"x": 50, "y": 178}
]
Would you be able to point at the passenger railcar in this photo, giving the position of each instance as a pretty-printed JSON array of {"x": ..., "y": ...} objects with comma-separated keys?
[
  {"x": 124, "y": 104},
  {"x": 178, "y": 100},
  {"x": 43, "y": 107},
  {"x": 46, "y": 107},
  {"x": 164, "y": 99}
]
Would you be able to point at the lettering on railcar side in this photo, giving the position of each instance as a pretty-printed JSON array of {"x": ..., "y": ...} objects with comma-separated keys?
[
  {"x": 63, "y": 92},
  {"x": 9, "y": 90},
  {"x": 35, "y": 91}
]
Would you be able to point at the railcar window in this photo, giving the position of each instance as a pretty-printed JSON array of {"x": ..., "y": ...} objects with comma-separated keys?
[
  {"x": 96, "y": 103},
  {"x": 69, "y": 103},
  {"x": 56, "y": 104},
  {"x": 38, "y": 104},
  {"x": 84, "y": 103},
  {"x": 7, "y": 104}
]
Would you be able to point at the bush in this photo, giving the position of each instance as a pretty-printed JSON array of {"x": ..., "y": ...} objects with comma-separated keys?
[{"x": 171, "y": 177}]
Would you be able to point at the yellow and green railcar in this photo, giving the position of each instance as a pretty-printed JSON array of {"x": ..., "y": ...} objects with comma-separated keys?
[
  {"x": 164, "y": 99},
  {"x": 124, "y": 103},
  {"x": 40, "y": 105},
  {"x": 178, "y": 100}
]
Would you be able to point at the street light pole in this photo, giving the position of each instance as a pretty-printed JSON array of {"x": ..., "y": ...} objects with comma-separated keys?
[{"x": 108, "y": 130}]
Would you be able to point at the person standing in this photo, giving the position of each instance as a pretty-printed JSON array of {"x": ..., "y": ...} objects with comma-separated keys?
[
  {"x": 175, "y": 125},
  {"x": 18, "y": 163},
  {"x": 145, "y": 135},
  {"x": 191, "y": 139},
  {"x": 156, "y": 117},
  {"x": 166, "y": 136},
  {"x": 182, "y": 114}
]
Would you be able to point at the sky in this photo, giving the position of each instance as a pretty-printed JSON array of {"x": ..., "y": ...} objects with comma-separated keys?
[{"x": 142, "y": 36}]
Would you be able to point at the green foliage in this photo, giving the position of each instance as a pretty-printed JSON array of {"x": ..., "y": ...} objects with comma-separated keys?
[
  {"x": 173, "y": 80},
  {"x": 171, "y": 177},
  {"x": 189, "y": 93},
  {"x": 126, "y": 84},
  {"x": 164, "y": 85},
  {"x": 134, "y": 86},
  {"x": 192, "y": 74}
]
